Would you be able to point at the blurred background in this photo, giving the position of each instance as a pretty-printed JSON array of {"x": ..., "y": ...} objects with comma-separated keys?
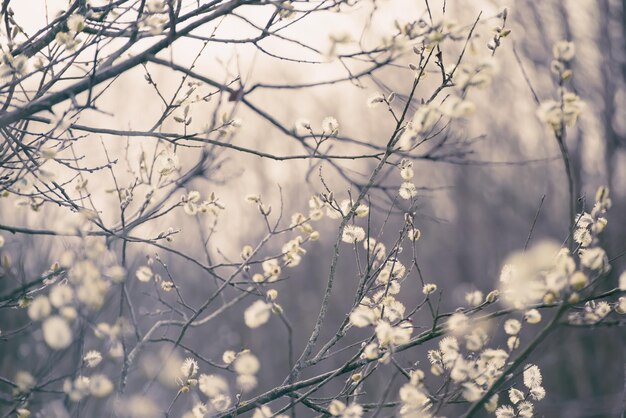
[{"x": 474, "y": 210}]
